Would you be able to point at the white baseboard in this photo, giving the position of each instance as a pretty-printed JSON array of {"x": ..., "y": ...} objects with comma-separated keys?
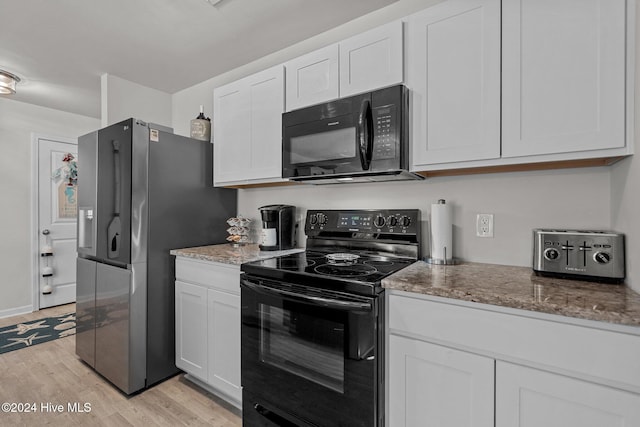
[
  {"x": 16, "y": 311},
  {"x": 210, "y": 389}
]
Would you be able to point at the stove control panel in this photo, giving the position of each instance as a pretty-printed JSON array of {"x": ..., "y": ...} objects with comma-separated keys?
[
  {"x": 597, "y": 255},
  {"x": 385, "y": 221}
]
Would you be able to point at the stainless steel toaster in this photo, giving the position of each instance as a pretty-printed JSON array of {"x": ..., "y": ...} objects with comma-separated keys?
[{"x": 590, "y": 255}]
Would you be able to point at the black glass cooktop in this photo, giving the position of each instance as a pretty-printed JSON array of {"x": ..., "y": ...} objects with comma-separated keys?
[{"x": 350, "y": 270}]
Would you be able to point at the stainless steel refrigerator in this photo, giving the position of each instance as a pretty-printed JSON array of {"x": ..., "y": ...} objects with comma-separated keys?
[{"x": 142, "y": 191}]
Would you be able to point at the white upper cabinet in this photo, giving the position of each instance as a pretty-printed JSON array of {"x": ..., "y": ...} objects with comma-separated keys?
[
  {"x": 312, "y": 78},
  {"x": 365, "y": 62},
  {"x": 231, "y": 135},
  {"x": 373, "y": 59},
  {"x": 247, "y": 119},
  {"x": 563, "y": 76},
  {"x": 453, "y": 71}
]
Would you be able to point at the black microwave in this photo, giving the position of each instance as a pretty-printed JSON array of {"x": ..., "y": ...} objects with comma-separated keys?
[{"x": 360, "y": 138}]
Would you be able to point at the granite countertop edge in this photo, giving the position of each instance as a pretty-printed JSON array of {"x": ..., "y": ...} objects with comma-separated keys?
[
  {"x": 519, "y": 288},
  {"x": 226, "y": 253},
  {"x": 491, "y": 284}
]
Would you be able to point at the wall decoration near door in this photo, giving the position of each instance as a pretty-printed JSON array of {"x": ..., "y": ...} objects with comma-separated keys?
[
  {"x": 67, "y": 178},
  {"x": 67, "y": 201},
  {"x": 34, "y": 332}
]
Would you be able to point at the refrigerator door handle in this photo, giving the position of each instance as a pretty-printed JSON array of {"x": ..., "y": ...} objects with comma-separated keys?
[{"x": 114, "y": 229}]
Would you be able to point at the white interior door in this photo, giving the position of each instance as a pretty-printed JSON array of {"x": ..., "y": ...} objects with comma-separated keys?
[{"x": 57, "y": 213}]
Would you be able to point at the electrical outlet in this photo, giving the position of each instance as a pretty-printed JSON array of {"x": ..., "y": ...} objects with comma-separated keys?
[{"x": 484, "y": 225}]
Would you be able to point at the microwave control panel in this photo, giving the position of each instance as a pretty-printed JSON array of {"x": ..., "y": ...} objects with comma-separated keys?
[{"x": 385, "y": 132}]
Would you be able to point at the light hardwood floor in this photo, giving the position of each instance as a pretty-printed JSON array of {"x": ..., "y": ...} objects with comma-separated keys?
[{"x": 51, "y": 373}]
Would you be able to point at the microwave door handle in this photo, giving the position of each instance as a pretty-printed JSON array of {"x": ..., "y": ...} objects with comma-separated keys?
[
  {"x": 310, "y": 299},
  {"x": 365, "y": 134}
]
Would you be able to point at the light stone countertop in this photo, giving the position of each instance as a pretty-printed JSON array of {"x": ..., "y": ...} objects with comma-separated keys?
[
  {"x": 226, "y": 253},
  {"x": 499, "y": 285},
  {"x": 520, "y": 288}
]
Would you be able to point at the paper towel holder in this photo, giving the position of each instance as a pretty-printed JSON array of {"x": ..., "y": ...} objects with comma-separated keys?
[
  {"x": 436, "y": 261},
  {"x": 445, "y": 260}
]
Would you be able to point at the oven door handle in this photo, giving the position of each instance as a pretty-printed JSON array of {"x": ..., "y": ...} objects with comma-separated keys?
[{"x": 310, "y": 299}]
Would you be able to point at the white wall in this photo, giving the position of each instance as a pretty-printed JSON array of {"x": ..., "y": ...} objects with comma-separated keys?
[
  {"x": 519, "y": 201},
  {"x": 592, "y": 198},
  {"x": 17, "y": 121},
  {"x": 625, "y": 188},
  {"x": 122, "y": 99},
  {"x": 625, "y": 211}
]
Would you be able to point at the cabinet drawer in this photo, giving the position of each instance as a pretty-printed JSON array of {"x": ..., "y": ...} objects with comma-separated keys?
[
  {"x": 594, "y": 354},
  {"x": 212, "y": 275}
]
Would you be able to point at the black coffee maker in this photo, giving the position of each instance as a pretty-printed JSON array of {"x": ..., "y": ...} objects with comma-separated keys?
[{"x": 278, "y": 227}]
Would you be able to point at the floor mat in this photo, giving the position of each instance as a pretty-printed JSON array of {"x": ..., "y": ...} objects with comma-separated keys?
[{"x": 34, "y": 332}]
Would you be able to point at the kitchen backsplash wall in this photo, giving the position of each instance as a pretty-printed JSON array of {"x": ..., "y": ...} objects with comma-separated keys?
[{"x": 520, "y": 202}]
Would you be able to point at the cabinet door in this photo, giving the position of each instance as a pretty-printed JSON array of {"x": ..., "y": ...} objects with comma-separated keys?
[
  {"x": 248, "y": 129},
  {"x": 312, "y": 78},
  {"x": 454, "y": 73},
  {"x": 529, "y": 397},
  {"x": 266, "y": 95},
  {"x": 224, "y": 342},
  {"x": 371, "y": 60},
  {"x": 431, "y": 385},
  {"x": 563, "y": 82},
  {"x": 191, "y": 329},
  {"x": 231, "y": 133}
]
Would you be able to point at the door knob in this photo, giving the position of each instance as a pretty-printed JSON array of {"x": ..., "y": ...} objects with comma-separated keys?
[{"x": 46, "y": 231}]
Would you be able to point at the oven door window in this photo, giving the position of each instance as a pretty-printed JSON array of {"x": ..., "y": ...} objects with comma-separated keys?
[{"x": 303, "y": 344}]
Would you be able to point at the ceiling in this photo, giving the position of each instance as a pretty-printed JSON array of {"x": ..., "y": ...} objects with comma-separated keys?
[{"x": 61, "y": 48}]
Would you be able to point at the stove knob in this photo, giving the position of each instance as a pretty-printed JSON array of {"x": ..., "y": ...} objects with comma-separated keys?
[
  {"x": 379, "y": 221},
  {"x": 602, "y": 257},
  {"x": 392, "y": 221},
  {"x": 551, "y": 254},
  {"x": 405, "y": 221},
  {"x": 313, "y": 219},
  {"x": 322, "y": 219}
]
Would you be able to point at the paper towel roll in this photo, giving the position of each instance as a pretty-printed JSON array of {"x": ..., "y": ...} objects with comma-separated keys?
[{"x": 441, "y": 231}]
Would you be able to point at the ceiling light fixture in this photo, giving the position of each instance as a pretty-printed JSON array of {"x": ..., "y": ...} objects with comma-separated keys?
[{"x": 8, "y": 83}]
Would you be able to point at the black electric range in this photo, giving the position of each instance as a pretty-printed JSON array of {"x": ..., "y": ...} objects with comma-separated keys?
[
  {"x": 313, "y": 322},
  {"x": 337, "y": 269}
]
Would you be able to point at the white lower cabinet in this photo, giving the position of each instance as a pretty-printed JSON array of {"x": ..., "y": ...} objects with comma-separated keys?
[
  {"x": 530, "y": 397},
  {"x": 457, "y": 364},
  {"x": 191, "y": 328},
  {"x": 223, "y": 320},
  {"x": 432, "y": 385},
  {"x": 208, "y": 325}
]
